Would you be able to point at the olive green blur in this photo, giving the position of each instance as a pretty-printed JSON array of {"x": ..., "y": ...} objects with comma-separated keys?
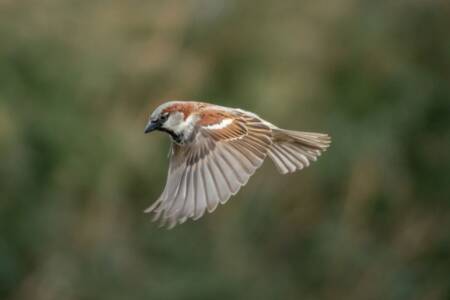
[{"x": 369, "y": 220}]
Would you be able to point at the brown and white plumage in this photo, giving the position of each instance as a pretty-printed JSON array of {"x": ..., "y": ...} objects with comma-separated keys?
[{"x": 214, "y": 152}]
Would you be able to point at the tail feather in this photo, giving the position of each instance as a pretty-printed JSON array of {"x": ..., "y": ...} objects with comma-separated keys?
[{"x": 294, "y": 150}]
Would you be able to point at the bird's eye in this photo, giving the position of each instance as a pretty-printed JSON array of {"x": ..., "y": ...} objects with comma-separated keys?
[{"x": 164, "y": 117}]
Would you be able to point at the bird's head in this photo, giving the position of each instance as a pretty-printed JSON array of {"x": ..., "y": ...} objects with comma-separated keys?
[{"x": 174, "y": 117}]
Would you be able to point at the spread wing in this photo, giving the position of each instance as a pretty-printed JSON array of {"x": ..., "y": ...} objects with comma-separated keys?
[{"x": 225, "y": 153}]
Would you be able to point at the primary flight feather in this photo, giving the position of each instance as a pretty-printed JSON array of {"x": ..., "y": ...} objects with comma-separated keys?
[{"x": 215, "y": 150}]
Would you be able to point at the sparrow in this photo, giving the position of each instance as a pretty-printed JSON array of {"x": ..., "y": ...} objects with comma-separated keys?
[{"x": 214, "y": 152}]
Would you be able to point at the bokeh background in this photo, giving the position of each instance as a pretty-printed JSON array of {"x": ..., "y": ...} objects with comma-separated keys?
[{"x": 369, "y": 220}]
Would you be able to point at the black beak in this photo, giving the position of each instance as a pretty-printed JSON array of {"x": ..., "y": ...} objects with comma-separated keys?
[{"x": 151, "y": 126}]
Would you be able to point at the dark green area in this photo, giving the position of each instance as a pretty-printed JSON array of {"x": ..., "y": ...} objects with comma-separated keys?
[{"x": 369, "y": 220}]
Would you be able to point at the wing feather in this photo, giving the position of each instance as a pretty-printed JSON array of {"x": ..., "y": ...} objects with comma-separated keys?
[
  {"x": 259, "y": 152},
  {"x": 189, "y": 203},
  {"x": 286, "y": 158},
  {"x": 241, "y": 159},
  {"x": 279, "y": 162},
  {"x": 254, "y": 154},
  {"x": 226, "y": 173},
  {"x": 200, "y": 203},
  {"x": 291, "y": 156},
  {"x": 233, "y": 166},
  {"x": 223, "y": 187},
  {"x": 214, "y": 200}
]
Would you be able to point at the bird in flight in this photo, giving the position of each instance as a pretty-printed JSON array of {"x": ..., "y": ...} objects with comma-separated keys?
[{"x": 215, "y": 150}]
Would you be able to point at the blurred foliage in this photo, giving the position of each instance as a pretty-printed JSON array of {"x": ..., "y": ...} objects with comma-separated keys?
[{"x": 370, "y": 220}]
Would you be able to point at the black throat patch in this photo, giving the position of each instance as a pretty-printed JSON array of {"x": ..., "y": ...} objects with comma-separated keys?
[{"x": 177, "y": 138}]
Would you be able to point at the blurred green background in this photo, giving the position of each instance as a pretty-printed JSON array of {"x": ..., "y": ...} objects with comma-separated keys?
[{"x": 369, "y": 220}]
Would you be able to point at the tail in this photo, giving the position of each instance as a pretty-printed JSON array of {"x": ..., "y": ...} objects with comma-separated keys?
[{"x": 295, "y": 150}]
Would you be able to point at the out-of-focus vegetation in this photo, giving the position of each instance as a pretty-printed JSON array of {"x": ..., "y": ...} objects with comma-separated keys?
[{"x": 369, "y": 220}]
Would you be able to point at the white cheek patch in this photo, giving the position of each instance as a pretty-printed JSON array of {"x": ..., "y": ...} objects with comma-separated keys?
[
  {"x": 175, "y": 122},
  {"x": 224, "y": 123},
  {"x": 181, "y": 127}
]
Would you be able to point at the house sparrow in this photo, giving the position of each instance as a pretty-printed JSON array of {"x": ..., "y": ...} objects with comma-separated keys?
[{"x": 214, "y": 152}]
